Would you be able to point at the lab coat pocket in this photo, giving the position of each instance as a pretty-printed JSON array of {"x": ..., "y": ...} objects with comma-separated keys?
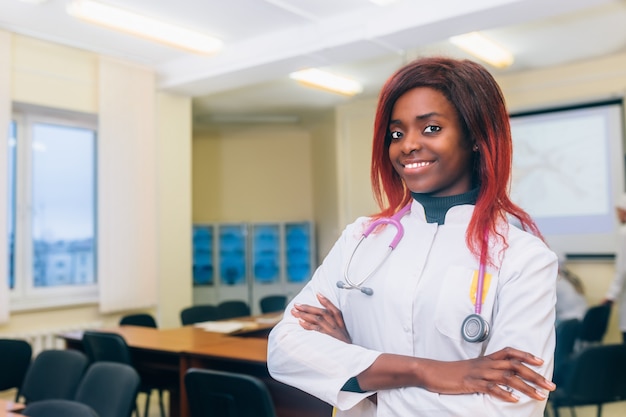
[{"x": 456, "y": 300}]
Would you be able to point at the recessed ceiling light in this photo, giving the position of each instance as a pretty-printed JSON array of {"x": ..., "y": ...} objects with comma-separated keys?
[
  {"x": 317, "y": 78},
  {"x": 143, "y": 26},
  {"x": 484, "y": 48},
  {"x": 383, "y": 2}
]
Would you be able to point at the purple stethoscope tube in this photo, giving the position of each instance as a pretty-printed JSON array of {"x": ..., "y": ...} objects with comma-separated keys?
[{"x": 474, "y": 328}]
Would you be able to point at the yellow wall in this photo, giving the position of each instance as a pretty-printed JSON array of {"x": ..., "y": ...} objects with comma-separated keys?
[{"x": 251, "y": 174}]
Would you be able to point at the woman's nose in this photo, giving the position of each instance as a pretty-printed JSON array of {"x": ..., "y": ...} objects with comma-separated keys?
[{"x": 411, "y": 143}]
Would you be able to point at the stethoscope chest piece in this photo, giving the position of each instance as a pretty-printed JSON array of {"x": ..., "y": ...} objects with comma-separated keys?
[{"x": 475, "y": 328}]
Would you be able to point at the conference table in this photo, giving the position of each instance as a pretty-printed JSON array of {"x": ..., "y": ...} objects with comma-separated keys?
[{"x": 166, "y": 354}]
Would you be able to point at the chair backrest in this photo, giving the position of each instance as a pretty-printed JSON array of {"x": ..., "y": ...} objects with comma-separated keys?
[
  {"x": 597, "y": 376},
  {"x": 54, "y": 374},
  {"x": 15, "y": 358},
  {"x": 233, "y": 308},
  {"x": 198, "y": 314},
  {"x": 224, "y": 394},
  {"x": 58, "y": 408},
  {"x": 566, "y": 336},
  {"x": 140, "y": 319},
  {"x": 109, "y": 388},
  {"x": 273, "y": 303},
  {"x": 105, "y": 346},
  {"x": 595, "y": 323}
]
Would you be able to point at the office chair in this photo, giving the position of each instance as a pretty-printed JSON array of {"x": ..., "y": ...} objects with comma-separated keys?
[
  {"x": 273, "y": 303},
  {"x": 215, "y": 394},
  {"x": 567, "y": 333},
  {"x": 53, "y": 374},
  {"x": 110, "y": 389},
  {"x": 140, "y": 319},
  {"x": 596, "y": 377},
  {"x": 15, "y": 358},
  {"x": 199, "y": 314},
  {"x": 233, "y": 308},
  {"x": 58, "y": 408},
  {"x": 112, "y": 347},
  {"x": 594, "y": 326}
]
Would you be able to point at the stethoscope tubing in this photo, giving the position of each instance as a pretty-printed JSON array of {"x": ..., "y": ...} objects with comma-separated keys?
[{"x": 471, "y": 322}]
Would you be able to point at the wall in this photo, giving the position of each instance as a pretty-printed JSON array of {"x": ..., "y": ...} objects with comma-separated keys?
[
  {"x": 52, "y": 75},
  {"x": 251, "y": 173}
]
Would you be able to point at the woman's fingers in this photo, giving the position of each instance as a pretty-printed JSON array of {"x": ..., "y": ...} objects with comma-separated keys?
[{"x": 327, "y": 320}]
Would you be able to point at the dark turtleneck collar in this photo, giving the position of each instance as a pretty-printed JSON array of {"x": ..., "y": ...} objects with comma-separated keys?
[{"x": 436, "y": 208}]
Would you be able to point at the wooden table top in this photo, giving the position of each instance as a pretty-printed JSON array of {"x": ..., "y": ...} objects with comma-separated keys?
[{"x": 195, "y": 340}]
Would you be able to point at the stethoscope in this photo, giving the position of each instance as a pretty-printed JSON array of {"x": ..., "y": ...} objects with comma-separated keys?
[{"x": 474, "y": 328}]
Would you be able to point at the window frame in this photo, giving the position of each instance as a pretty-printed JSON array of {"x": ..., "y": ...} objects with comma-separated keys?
[{"x": 24, "y": 295}]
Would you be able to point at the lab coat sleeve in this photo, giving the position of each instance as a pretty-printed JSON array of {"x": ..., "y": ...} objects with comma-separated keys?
[
  {"x": 311, "y": 361},
  {"x": 523, "y": 318}
]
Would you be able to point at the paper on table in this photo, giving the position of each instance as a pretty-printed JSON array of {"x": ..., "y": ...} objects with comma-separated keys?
[
  {"x": 270, "y": 320},
  {"x": 222, "y": 326}
]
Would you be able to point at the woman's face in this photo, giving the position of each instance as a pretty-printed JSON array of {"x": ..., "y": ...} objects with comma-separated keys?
[{"x": 428, "y": 149}]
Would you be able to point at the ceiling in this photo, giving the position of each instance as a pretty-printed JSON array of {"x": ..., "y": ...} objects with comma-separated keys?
[{"x": 265, "y": 40}]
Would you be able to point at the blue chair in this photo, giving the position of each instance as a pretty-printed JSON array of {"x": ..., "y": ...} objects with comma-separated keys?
[
  {"x": 15, "y": 359},
  {"x": 58, "y": 408},
  {"x": 54, "y": 375},
  {"x": 217, "y": 394},
  {"x": 109, "y": 388}
]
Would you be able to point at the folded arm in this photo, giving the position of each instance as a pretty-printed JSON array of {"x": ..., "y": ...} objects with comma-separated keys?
[{"x": 496, "y": 374}]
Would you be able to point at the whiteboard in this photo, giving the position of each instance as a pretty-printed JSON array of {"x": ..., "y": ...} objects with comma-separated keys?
[{"x": 568, "y": 171}]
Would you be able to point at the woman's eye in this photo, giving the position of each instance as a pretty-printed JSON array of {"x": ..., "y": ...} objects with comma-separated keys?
[
  {"x": 395, "y": 135},
  {"x": 432, "y": 129}
]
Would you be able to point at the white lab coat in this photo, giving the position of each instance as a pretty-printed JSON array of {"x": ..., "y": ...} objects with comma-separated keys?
[
  {"x": 616, "y": 291},
  {"x": 421, "y": 296}
]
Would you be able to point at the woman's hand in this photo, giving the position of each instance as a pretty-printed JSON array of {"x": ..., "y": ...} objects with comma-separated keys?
[
  {"x": 327, "y": 320},
  {"x": 497, "y": 374}
]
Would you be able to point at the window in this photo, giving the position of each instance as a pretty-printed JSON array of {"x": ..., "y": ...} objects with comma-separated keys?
[{"x": 52, "y": 208}]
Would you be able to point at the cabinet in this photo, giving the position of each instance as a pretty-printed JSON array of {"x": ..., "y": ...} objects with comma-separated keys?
[{"x": 247, "y": 261}]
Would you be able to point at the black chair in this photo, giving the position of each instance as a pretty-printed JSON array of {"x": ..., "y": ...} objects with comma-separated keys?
[
  {"x": 216, "y": 394},
  {"x": 140, "y": 319},
  {"x": 596, "y": 377},
  {"x": 109, "y": 388},
  {"x": 58, "y": 408},
  {"x": 594, "y": 326},
  {"x": 233, "y": 308},
  {"x": 566, "y": 336},
  {"x": 273, "y": 303},
  {"x": 112, "y": 347},
  {"x": 199, "y": 314},
  {"x": 15, "y": 358},
  {"x": 54, "y": 375}
]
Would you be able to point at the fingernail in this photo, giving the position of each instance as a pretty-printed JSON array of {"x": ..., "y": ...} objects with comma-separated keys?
[
  {"x": 515, "y": 397},
  {"x": 320, "y": 296},
  {"x": 551, "y": 384},
  {"x": 541, "y": 394}
]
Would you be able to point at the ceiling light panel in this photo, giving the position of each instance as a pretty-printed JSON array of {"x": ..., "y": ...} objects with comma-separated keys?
[
  {"x": 143, "y": 26},
  {"x": 478, "y": 45},
  {"x": 317, "y": 78}
]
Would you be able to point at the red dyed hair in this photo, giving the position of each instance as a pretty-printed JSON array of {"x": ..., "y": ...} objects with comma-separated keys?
[{"x": 481, "y": 108}]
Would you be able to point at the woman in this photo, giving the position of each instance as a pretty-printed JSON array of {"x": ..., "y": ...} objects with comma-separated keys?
[{"x": 441, "y": 151}]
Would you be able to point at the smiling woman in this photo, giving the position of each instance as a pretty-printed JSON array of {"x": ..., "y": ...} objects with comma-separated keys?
[{"x": 445, "y": 286}]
